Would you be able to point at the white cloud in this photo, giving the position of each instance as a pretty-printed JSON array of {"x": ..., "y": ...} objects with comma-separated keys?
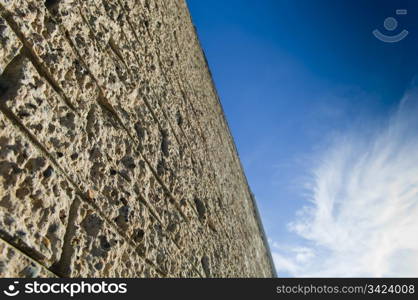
[{"x": 361, "y": 218}]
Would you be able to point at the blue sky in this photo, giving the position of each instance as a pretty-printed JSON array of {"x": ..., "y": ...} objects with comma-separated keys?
[{"x": 308, "y": 91}]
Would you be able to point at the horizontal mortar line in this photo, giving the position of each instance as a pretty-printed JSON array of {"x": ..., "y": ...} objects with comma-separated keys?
[
  {"x": 218, "y": 102},
  {"x": 168, "y": 120},
  {"x": 182, "y": 89},
  {"x": 104, "y": 103},
  {"x": 186, "y": 138},
  {"x": 31, "y": 253},
  {"x": 191, "y": 153},
  {"x": 148, "y": 204},
  {"x": 157, "y": 177},
  {"x": 198, "y": 44},
  {"x": 157, "y": 119},
  {"x": 115, "y": 49},
  {"x": 110, "y": 108},
  {"x": 228, "y": 140},
  {"x": 193, "y": 157},
  {"x": 146, "y": 160},
  {"x": 206, "y": 149},
  {"x": 221, "y": 217},
  {"x": 176, "y": 206},
  {"x": 22, "y": 128},
  {"x": 115, "y": 115},
  {"x": 27, "y": 256},
  {"x": 42, "y": 71},
  {"x": 45, "y": 151},
  {"x": 194, "y": 94},
  {"x": 238, "y": 165},
  {"x": 120, "y": 121},
  {"x": 16, "y": 123},
  {"x": 136, "y": 37},
  {"x": 204, "y": 140}
]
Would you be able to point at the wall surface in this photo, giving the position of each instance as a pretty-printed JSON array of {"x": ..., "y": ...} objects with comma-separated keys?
[{"x": 115, "y": 156}]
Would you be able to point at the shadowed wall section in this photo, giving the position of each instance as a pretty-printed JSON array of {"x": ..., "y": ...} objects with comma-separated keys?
[{"x": 115, "y": 156}]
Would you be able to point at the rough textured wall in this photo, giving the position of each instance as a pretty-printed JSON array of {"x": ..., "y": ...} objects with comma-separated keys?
[{"x": 115, "y": 157}]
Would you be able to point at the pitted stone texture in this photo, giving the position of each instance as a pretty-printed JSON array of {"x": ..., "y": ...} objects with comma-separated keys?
[
  {"x": 9, "y": 45},
  {"x": 153, "y": 135},
  {"x": 118, "y": 95},
  {"x": 95, "y": 152},
  {"x": 34, "y": 199},
  {"x": 46, "y": 41},
  {"x": 105, "y": 173},
  {"x": 95, "y": 249},
  {"x": 43, "y": 112},
  {"x": 14, "y": 263},
  {"x": 114, "y": 50},
  {"x": 164, "y": 253}
]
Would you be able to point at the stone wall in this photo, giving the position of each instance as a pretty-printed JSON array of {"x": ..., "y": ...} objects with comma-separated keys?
[{"x": 115, "y": 157}]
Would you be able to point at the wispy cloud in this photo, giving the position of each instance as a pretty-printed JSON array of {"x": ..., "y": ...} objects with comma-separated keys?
[{"x": 361, "y": 218}]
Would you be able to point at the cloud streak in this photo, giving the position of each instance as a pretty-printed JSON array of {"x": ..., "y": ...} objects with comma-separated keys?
[{"x": 361, "y": 216}]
